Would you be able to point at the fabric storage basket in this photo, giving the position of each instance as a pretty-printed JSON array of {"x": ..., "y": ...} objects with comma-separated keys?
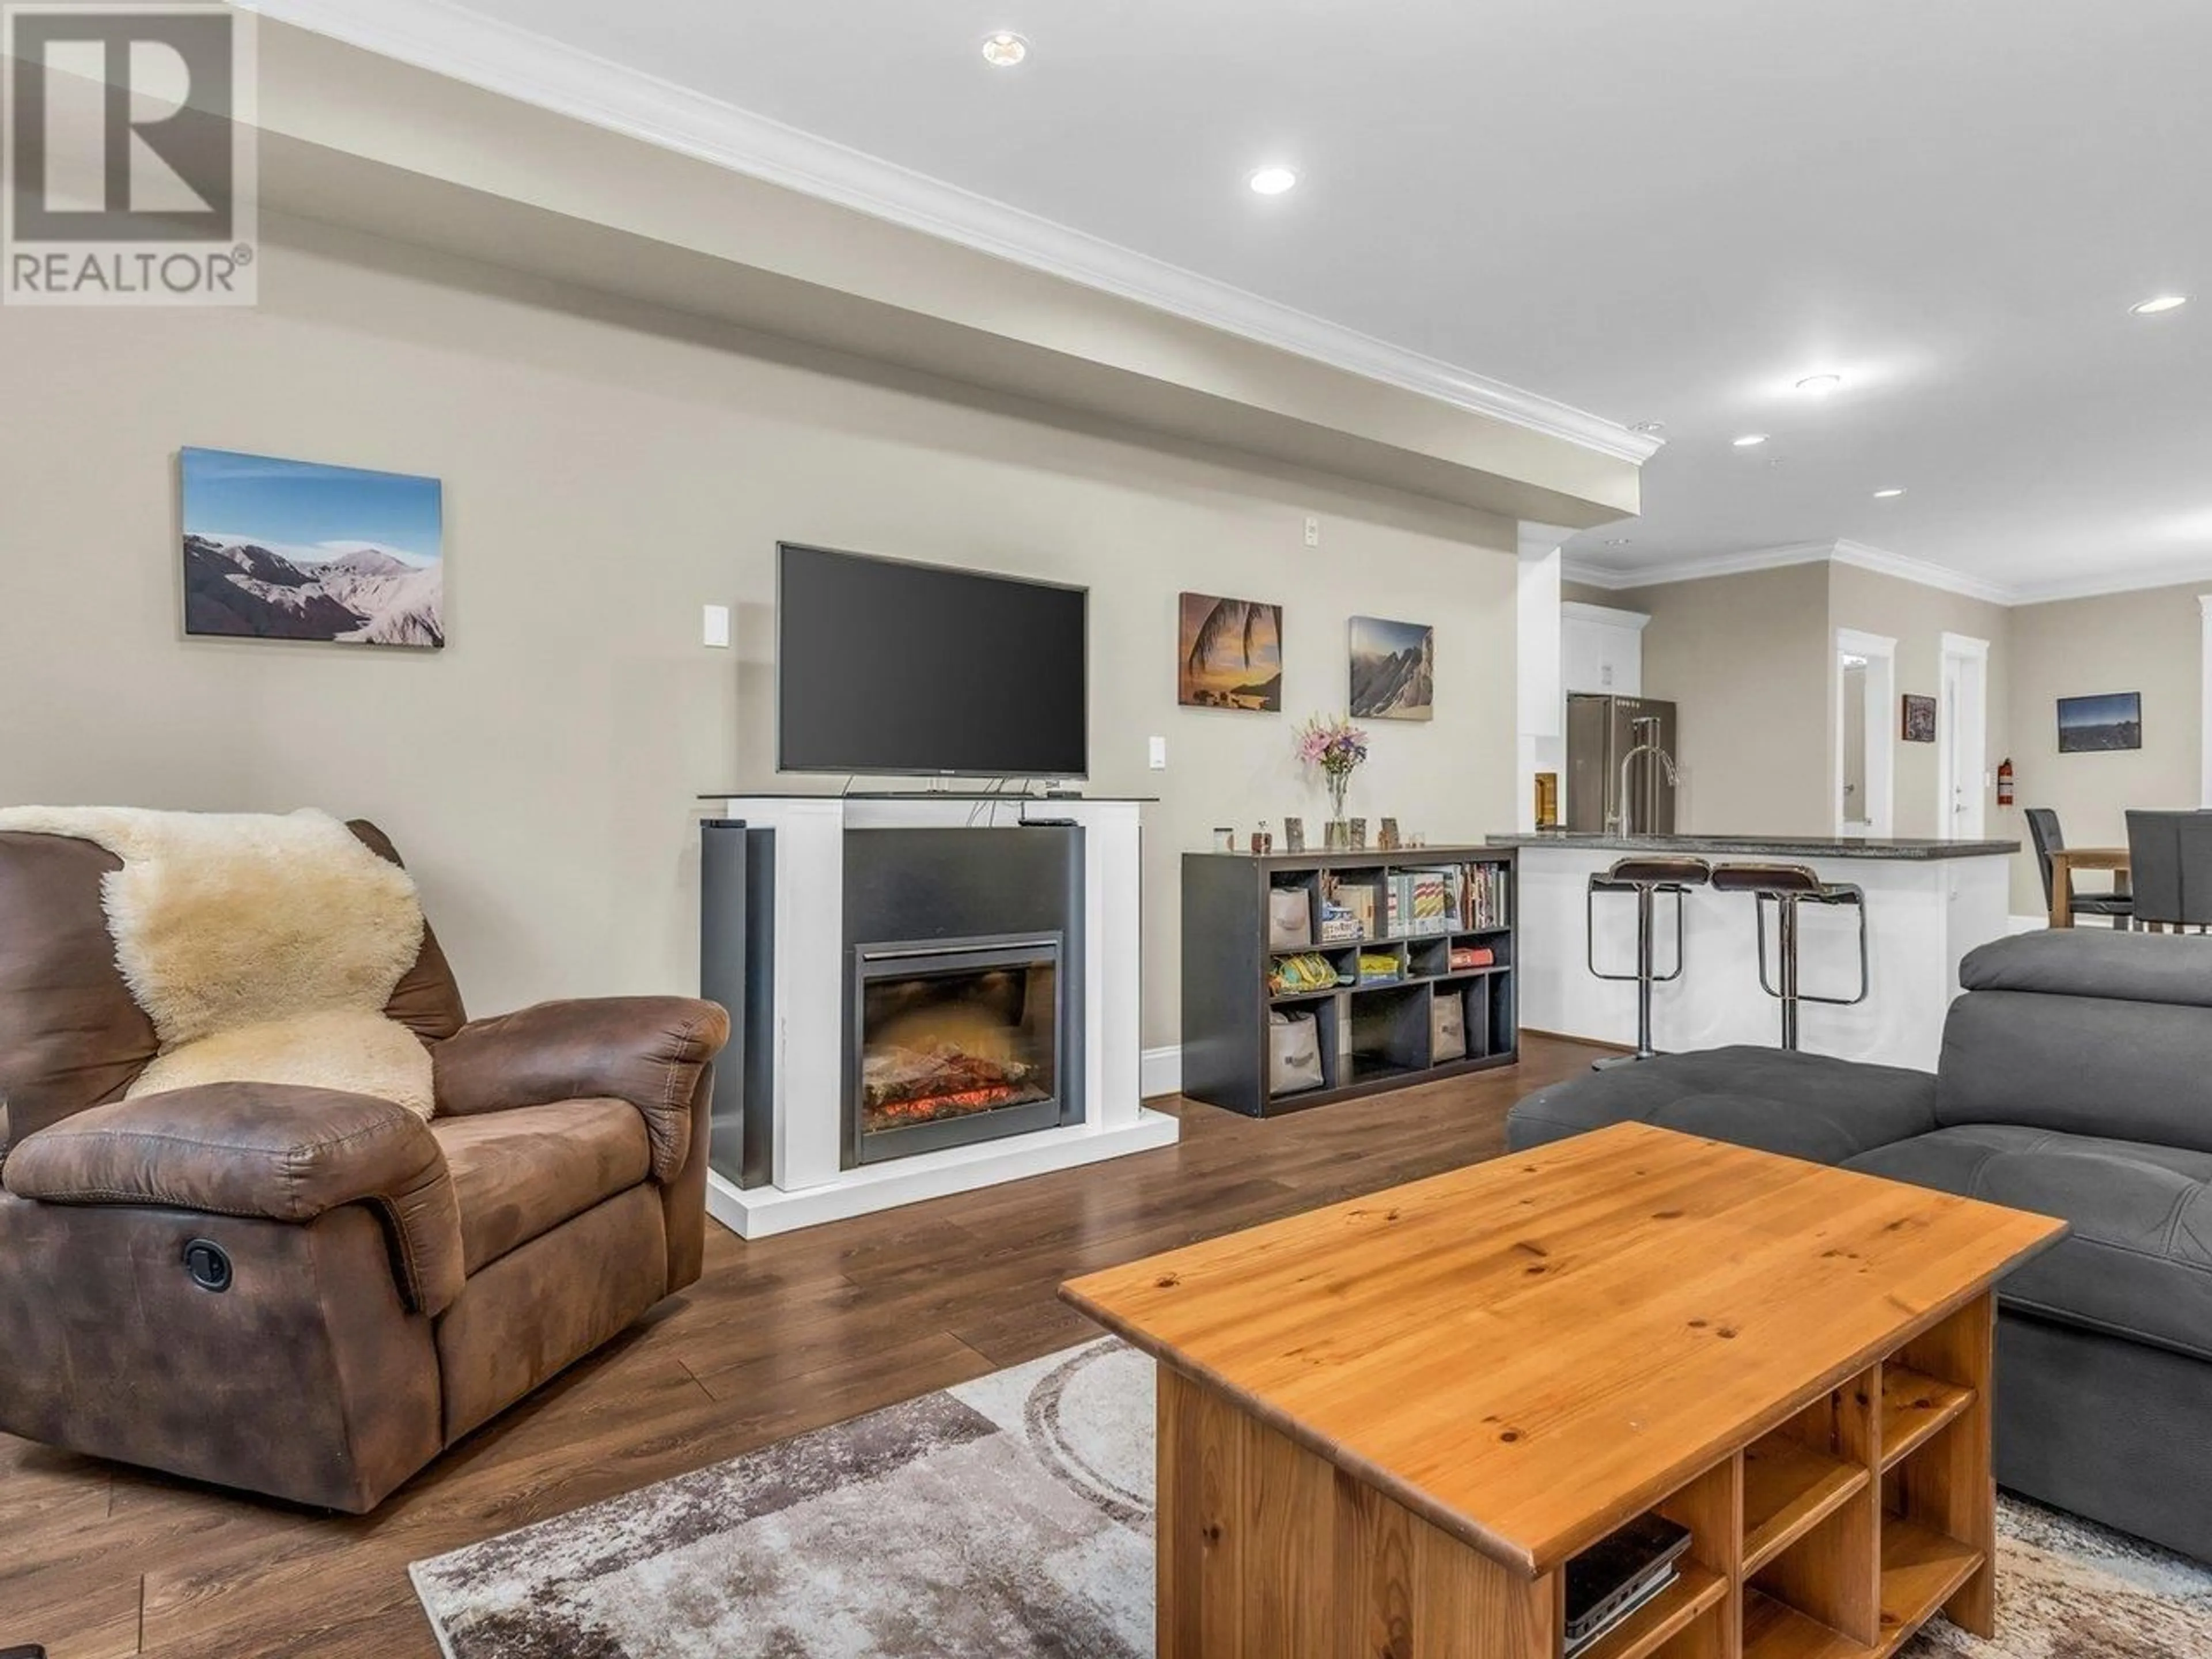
[
  {"x": 1448, "y": 1027},
  {"x": 1290, "y": 919},
  {"x": 1293, "y": 1052}
]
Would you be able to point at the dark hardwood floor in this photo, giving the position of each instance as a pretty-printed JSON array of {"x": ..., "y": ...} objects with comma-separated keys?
[{"x": 778, "y": 1338}]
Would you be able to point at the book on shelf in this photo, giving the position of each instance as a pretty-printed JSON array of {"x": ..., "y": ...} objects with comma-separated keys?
[
  {"x": 1419, "y": 903},
  {"x": 1482, "y": 898},
  {"x": 1355, "y": 900},
  {"x": 1339, "y": 926}
]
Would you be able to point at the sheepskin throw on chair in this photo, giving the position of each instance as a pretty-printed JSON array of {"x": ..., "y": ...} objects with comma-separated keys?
[{"x": 263, "y": 947}]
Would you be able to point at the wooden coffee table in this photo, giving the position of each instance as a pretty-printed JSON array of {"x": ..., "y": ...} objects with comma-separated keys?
[{"x": 1385, "y": 1427}]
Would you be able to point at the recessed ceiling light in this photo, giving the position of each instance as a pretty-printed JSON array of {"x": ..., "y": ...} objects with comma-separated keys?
[
  {"x": 1820, "y": 385},
  {"x": 2163, "y": 302},
  {"x": 1005, "y": 50},
  {"x": 1751, "y": 440},
  {"x": 1887, "y": 494},
  {"x": 1273, "y": 181}
]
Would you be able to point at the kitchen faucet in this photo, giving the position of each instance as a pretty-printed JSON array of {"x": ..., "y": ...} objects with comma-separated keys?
[{"x": 1649, "y": 746}]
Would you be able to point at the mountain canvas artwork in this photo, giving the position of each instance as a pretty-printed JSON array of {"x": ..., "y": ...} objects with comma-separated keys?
[
  {"x": 278, "y": 549},
  {"x": 1393, "y": 670}
]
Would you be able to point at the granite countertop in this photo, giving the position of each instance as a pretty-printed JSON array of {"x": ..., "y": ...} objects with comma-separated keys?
[{"x": 1787, "y": 847}]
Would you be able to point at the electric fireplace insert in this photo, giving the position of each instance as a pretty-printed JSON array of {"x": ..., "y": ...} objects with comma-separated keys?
[{"x": 956, "y": 1041}]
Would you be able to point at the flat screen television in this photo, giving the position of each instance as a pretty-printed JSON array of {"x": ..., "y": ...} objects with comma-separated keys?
[{"x": 888, "y": 667}]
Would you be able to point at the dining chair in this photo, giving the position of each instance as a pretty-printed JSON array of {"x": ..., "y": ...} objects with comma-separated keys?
[
  {"x": 2154, "y": 853},
  {"x": 2193, "y": 830},
  {"x": 2116, "y": 906}
]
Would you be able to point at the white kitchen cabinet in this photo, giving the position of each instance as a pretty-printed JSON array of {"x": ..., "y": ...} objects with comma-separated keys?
[{"x": 1601, "y": 650}]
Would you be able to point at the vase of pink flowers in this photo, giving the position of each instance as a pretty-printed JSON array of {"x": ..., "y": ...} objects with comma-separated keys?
[{"x": 1336, "y": 746}]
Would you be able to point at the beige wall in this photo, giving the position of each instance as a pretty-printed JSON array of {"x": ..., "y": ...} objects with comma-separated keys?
[
  {"x": 2150, "y": 641},
  {"x": 1918, "y": 617},
  {"x": 1746, "y": 660},
  {"x": 607, "y": 470}
]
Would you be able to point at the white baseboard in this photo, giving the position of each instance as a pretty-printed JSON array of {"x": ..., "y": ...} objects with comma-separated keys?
[
  {"x": 765, "y": 1211},
  {"x": 1159, "y": 1071}
]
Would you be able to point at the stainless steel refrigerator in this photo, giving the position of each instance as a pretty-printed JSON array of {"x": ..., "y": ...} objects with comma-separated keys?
[{"x": 1620, "y": 754}]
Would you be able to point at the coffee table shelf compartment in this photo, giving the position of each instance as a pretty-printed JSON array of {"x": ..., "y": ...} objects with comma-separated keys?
[
  {"x": 1675, "y": 1612},
  {"x": 1789, "y": 1488},
  {"x": 1381, "y": 1026},
  {"x": 1692, "y": 1617},
  {"x": 1914, "y": 1409},
  {"x": 1922, "y": 1569},
  {"x": 1774, "y": 1630},
  {"x": 1814, "y": 1465}
]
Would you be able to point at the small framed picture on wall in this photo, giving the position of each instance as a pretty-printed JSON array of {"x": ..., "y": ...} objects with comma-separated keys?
[{"x": 1919, "y": 719}]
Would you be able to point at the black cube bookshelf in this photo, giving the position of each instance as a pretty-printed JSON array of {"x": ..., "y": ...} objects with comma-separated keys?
[{"x": 1377, "y": 1031}]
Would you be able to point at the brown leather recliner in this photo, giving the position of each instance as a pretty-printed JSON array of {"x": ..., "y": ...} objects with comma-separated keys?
[{"x": 377, "y": 1286}]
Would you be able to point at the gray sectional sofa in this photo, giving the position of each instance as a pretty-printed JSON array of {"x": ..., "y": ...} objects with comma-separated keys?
[{"x": 2075, "y": 1081}]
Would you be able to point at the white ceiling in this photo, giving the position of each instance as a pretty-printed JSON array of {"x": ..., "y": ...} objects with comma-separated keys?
[{"x": 1654, "y": 210}]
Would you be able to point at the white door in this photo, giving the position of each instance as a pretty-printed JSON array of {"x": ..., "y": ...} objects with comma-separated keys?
[
  {"x": 1864, "y": 746},
  {"x": 1962, "y": 729}
]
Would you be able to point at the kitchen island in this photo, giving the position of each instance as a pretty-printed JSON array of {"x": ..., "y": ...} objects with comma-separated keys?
[{"x": 1928, "y": 902}]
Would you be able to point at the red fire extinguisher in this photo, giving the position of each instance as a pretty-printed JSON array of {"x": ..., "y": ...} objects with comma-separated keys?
[{"x": 2004, "y": 784}]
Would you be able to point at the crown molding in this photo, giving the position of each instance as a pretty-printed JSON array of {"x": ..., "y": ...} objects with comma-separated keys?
[
  {"x": 1691, "y": 570},
  {"x": 1857, "y": 555},
  {"x": 1575, "y": 610},
  {"x": 1863, "y": 557},
  {"x": 517, "y": 63},
  {"x": 2138, "y": 581}
]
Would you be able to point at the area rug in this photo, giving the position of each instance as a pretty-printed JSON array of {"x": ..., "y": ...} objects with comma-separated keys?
[{"x": 1011, "y": 1518}]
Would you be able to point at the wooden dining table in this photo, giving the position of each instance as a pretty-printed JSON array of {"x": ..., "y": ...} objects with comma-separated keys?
[{"x": 2065, "y": 860}]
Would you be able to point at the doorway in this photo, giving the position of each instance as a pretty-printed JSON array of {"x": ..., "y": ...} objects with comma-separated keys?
[
  {"x": 1865, "y": 744},
  {"x": 1962, "y": 736}
]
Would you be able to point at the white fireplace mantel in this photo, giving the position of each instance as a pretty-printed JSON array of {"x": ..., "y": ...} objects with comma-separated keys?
[{"x": 809, "y": 1185}]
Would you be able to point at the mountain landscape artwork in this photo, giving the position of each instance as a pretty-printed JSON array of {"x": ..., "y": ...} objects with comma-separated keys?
[
  {"x": 1393, "y": 670},
  {"x": 1230, "y": 655},
  {"x": 2090, "y": 725},
  {"x": 278, "y": 549}
]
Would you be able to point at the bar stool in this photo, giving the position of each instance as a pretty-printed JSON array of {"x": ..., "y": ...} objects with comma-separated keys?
[
  {"x": 1646, "y": 876},
  {"x": 1790, "y": 885}
]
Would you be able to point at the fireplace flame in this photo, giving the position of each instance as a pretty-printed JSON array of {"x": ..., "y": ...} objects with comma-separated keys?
[{"x": 957, "y": 1103}]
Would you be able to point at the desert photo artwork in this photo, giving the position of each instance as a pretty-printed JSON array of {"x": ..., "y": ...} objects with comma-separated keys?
[
  {"x": 279, "y": 549},
  {"x": 1229, "y": 654},
  {"x": 1393, "y": 670}
]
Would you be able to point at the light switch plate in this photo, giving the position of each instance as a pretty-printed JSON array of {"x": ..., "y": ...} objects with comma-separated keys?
[
  {"x": 714, "y": 627},
  {"x": 1159, "y": 754}
]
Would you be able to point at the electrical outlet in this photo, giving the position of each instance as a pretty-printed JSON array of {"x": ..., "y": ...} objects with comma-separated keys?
[
  {"x": 1159, "y": 754},
  {"x": 714, "y": 627},
  {"x": 1313, "y": 531}
]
